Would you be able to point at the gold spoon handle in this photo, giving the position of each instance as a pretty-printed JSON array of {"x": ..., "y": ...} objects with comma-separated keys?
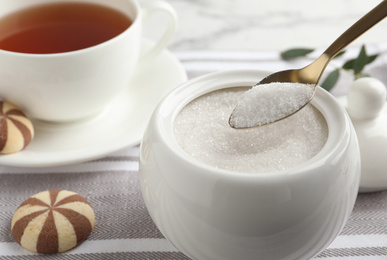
[
  {"x": 313, "y": 72},
  {"x": 361, "y": 26}
]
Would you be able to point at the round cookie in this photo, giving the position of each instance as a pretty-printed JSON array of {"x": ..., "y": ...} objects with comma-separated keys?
[
  {"x": 16, "y": 130},
  {"x": 53, "y": 221}
]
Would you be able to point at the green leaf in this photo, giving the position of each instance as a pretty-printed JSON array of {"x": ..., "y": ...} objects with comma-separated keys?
[
  {"x": 331, "y": 80},
  {"x": 349, "y": 64},
  {"x": 361, "y": 61},
  {"x": 339, "y": 54},
  {"x": 295, "y": 53},
  {"x": 371, "y": 58}
]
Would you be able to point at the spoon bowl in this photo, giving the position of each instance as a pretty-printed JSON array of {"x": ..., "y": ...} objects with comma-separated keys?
[{"x": 309, "y": 75}]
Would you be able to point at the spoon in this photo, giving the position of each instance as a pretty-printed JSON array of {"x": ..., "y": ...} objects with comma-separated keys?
[{"x": 245, "y": 113}]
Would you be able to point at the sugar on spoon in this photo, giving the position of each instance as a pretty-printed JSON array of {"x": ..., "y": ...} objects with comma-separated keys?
[{"x": 294, "y": 89}]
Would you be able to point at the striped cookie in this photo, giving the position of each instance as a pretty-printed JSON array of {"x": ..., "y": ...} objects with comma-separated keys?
[
  {"x": 16, "y": 130},
  {"x": 53, "y": 221}
]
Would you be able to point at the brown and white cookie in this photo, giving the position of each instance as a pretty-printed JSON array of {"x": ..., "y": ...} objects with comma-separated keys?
[
  {"x": 16, "y": 130},
  {"x": 53, "y": 221}
]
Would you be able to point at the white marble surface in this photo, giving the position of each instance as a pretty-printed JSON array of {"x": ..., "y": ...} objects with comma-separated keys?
[{"x": 268, "y": 24}]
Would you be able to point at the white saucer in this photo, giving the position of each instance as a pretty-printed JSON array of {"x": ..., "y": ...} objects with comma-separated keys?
[{"x": 120, "y": 125}]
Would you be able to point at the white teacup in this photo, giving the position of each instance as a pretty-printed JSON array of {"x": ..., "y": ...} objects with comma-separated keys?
[
  {"x": 215, "y": 214},
  {"x": 77, "y": 84}
]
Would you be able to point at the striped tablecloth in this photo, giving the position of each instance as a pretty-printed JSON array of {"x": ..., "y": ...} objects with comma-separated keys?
[{"x": 124, "y": 230}]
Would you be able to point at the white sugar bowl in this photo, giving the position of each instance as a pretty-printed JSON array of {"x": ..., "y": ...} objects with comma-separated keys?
[{"x": 209, "y": 213}]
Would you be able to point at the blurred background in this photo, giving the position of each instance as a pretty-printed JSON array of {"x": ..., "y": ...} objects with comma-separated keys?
[
  {"x": 251, "y": 34},
  {"x": 268, "y": 24}
]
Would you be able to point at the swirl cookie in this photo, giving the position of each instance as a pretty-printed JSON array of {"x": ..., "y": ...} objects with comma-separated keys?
[
  {"x": 53, "y": 221},
  {"x": 16, "y": 130}
]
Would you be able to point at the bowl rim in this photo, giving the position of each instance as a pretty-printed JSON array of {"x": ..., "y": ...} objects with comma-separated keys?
[{"x": 337, "y": 119}]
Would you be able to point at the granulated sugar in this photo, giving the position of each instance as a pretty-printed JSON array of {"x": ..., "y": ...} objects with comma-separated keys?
[
  {"x": 202, "y": 130},
  {"x": 267, "y": 103}
]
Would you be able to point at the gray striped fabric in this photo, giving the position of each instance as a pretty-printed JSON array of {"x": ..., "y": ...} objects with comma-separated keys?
[{"x": 124, "y": 230}]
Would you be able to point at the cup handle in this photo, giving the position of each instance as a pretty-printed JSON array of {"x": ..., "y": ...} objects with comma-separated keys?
[{"x": 160, "y": 6}]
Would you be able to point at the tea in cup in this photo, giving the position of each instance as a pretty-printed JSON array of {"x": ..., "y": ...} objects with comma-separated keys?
[
  {"x": 215, "y": 196},
  {"x": 67, "y": 60}
]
